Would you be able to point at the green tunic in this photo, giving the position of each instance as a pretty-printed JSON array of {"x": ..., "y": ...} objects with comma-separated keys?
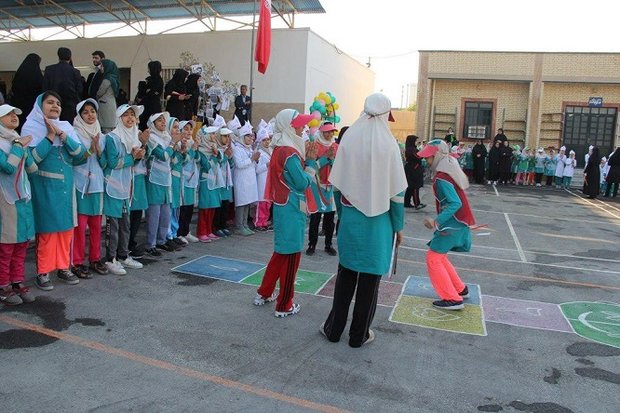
[
  {"x": 452, "y": 235},
  {"x": 113, "y": 207},
  {"x": 89, "y": 204},
  {"x": 53, "y": 193},
  {"x": 207, "y": 198},
  {"x": 324, "y": 199},
  {"x": 189, "y": 194},
  {"x": 226, "y": 194},
  {"x": 17, "y": 219},
  {"x": 159, "y": 194},
  {"x": 365, "y": 243},
  {"x": 289, "y": 220},
  {"x": 176, "y": 166}
]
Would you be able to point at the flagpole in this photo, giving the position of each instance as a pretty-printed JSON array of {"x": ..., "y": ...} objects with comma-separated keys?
[{"x": 252, "y": 63}]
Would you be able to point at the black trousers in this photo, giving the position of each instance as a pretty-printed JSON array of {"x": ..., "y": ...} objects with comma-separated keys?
[
  {"x": 412, "y": 192},
  {"x": 538, "y": 177},
  {"x": 549, "y": 180},
  {"x": 363, "y": 311},
  {"x": 328, "y": 227},
  {"x": 221, "y": 213},
  {"x": 135, "y": 217},
  {"x": 185, "y": 218}
]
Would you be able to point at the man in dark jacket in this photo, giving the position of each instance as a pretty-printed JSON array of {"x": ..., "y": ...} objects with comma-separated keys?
[
  {"x": 95, "y": 78},
  {"x": 65, "y": 80},
  {"x": 243, "y": 106}
]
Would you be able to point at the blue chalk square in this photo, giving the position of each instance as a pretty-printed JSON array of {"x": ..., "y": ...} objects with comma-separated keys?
[
  {"x": 422, "y": 287},
  {"x": 220, "y": 268}
]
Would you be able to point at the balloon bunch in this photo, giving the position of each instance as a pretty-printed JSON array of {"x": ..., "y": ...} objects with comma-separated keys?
[{"x": 323, "y": 109}]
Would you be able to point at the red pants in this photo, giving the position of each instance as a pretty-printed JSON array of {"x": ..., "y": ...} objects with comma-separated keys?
[
  {"x": 12, "y": 259},
  {"x": 205, "y": 221},
  {"x": 444, "y": 277},
  {"x": 53, "y": 250},
  {"x": 281, "y": 267},
  {"x": 262, "y": 213},
  {"x": 94, "y": 239}
]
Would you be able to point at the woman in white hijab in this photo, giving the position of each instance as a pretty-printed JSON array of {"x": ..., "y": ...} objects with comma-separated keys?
[
  {"x": 89, "y": 190},
  {"x": 291, "y": 170},
  {"x": 16, "y": 217},
  {"x": 451, "y": 226},
  {"x": 53, "y": 192},
  {"x": 368, "y": 171}
]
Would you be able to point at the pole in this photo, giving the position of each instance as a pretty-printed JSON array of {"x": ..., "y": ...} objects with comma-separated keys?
[{"x": 252, "y": 63}]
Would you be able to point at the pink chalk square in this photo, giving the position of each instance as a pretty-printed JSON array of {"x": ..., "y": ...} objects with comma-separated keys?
[
  {"x": 388, "y": 291},
  {"x": 524, "y": 313}
]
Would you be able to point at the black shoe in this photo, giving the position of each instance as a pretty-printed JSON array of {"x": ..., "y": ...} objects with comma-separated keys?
[
  {"x": 67, "y": 277},
  {"x": 310, "y": 250},
  {"x": 137, "y": 253},
  {"x": 173, "y": 244},
  {"x": 420, "y": 206},
  {"x": 465, "y": 292},
  {"x": 81, "y": 271},
  {"x": 99, "y": 268},
  {"x": 166, "y": 247},
  {"x": 153, "y": 252},
  {"x": 449, "y": 305},
  {"x": 331, "y": 251}
]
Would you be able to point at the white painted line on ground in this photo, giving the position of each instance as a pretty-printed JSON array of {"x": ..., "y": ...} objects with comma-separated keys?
[
  {"x": 495, "y": 189},
  {"x": 593, "y": 204},
  {"x": 469, "y": 255},
  {"x": 575, "y": 257},
  {"x": 514, "y": 237},
  {"x": 608, "y": 205},
  {"x": 543, "y": 217},
  {"x": 546, "y": 234}
]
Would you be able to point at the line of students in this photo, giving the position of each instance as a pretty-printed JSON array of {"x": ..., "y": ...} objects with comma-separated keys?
[{"x": 59, "y": 180}]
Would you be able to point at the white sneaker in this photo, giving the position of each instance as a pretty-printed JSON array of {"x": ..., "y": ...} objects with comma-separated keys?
[
  {"x": 115, "y": 267},
  {"x": 131, "y": 263},
  {"x": 191, "y": 238},
  {"x": 183, "y": 240},
  {"x": 293, "y": 310},
  {"x": 260, "y": 300}
]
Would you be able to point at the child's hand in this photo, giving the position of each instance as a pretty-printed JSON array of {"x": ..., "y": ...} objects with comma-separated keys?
[{"x": 429, "y": 223}]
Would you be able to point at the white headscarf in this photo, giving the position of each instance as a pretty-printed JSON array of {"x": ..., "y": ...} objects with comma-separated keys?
[
  {"x": 7, "y": 135},
  {"x": 246, "y": 129},
  {"x": 284, "y": 134},
  {"x": 219, "y": 122},
  {"x": 35, "y": 126},
  {"x": 445, "y": 163},
  {"x": 234, "y": 125},
  {"x": 85, "y": 131},
  {"x": 158, "y": 137},
  {"x": 128, "y": 136},
  {"x": 368, "y": 168}
]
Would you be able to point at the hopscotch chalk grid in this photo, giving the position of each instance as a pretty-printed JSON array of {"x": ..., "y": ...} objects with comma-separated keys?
[
  {"x": 594, "y": 321},
  {"x": 525, "y": 313},
  {"x": 220, "y": 268},
  {"x": 309, "y": 282},
  {"x": 414, "y": 307}
]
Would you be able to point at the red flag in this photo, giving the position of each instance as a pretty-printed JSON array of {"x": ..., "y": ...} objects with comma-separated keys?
[{"x": 263, "y": 40}]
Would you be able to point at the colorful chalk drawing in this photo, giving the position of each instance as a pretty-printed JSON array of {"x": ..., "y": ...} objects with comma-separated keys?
[
  {"x": 309, "y": 282},
  {"x": 220, "y": 268},
  {"x": 524, "y": 313},
  {"x": 595, "y": 321}
]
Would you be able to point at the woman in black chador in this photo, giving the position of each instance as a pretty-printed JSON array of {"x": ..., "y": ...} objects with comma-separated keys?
[
  {"x": 479, "y": 154},
  {"x": 176, "y": 95},
  {"x": 153, "y": 90},
  {"x": 592, "y": 174},
  {"x": 493, "y": 172},
  {"x": 505, "y": 162},
  {"x": 27, "y": 85},
  {"x": 414, "y": 173}
]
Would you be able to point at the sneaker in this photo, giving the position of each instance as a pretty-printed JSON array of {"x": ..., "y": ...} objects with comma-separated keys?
[
  {"x": 183, "y": 240},
  {"x": 68, "y": 277},
  {"x": 227, "y": 232},
  {"x": 371, "y": 337},
  {"x": 449, "y": 305},
  {"x": 322, "y": 329},
  {"x": 465, "y": 292},
  {"x": 219, "y": 233},
  {"x": 9, "y": 297},
  {"x": 43, "y": 282},
  {"x": 260, "y": 229},
  {"x": 137, "y": 253},
  {"x": 310, "y": 250},
  {"x": 81, "y": 271},
  {"x": 331, "y": 251},
  {"x": 175, "y": 245},
  {"x": 270, "y": 228},
  {"x": 421, "y": 206},
  {"x": 245, "y": 231},
  {"x": 166, "y": 247},
  {"x": 131, "y": 263},
  {"x": 99, "y": 268},
  {"x": 204, "y": 238},
  {"x": 191, "y": 238},
  {"x": 293, "y": 310},
  {"x": 260, "y": 300},
  {"x": 153, "y": 252},
  {"x": 23, "y": 292},
  {"x": 180, "y": 241},
  {"x": 213, "y": 237},
  {"x": 115, "y": 267}
]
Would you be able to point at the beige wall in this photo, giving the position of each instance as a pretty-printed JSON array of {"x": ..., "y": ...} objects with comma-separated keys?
[{"x": 403, "y": 125}]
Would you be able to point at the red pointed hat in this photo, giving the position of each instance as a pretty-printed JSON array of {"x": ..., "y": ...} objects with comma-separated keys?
[{"x": 301, "y": 119}]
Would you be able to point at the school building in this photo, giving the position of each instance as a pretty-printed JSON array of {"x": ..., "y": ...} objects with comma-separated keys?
[{"x": 539, "y": 99}]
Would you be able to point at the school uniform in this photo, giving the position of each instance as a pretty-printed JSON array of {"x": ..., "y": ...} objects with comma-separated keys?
[
  {"x": 190, "y": 181},
  {"x": 211, "y": 181},
  {"x": 244, "y": 181},
  {"x": 569, "y": 169},
  {"x": 323, "y": 193},
  {"x": 549, "y": 171},
  {"x": 559, "y": 169},
  {"x": 226, "y": 192},
  {"x": 176, "y": 169},
  {"x": 263, "y": 209}
]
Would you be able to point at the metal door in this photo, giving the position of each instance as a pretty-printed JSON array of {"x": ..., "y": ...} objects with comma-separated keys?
[{"x": 585, "y": 126}]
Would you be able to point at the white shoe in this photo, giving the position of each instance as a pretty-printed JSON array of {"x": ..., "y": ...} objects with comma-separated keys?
[
  {"x": 191, "y": 238},
  {"x": 183, "y": 240},
  {"x": 115, "y": 267},
  {"x": 293, "y": 310},
  {"x": 260, "y": 300},
  {"x": 131, "y": 263}
]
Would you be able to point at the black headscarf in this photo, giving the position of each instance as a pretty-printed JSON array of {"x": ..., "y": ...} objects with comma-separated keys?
[
  {"x": 410, "y": 146},
  {"x": 28, "y": 79}
]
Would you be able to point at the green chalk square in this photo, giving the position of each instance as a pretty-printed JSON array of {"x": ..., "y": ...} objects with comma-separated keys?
[
  {"x": 306, "y": 281},
  {"x": 598, "y": 322},
  {"x": 419, "y": 311}
]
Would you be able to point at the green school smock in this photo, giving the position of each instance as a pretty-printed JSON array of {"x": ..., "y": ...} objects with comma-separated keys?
[
  {"x": 176, "y": 166},
  {"x": 113, "y": 207},
  {"x": 531, "y": 164},
  {"x": 523, "y": 163},
  {"x": 452, "y": 235},
  {"x": 550, "y": 164},
  {"x": 226, "y": 194},
  {"x": 159, "y": 194},
  {"x": 365, "y": 243},
  {"x": 189, "y": 194},
  {"x": 53, "y": 194},
  {"x": 16, "y": 220},
  {"x": 207, "y": 198},
  {"x": 289, "y": 220},
  {"x": 91, "y": 204}
]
